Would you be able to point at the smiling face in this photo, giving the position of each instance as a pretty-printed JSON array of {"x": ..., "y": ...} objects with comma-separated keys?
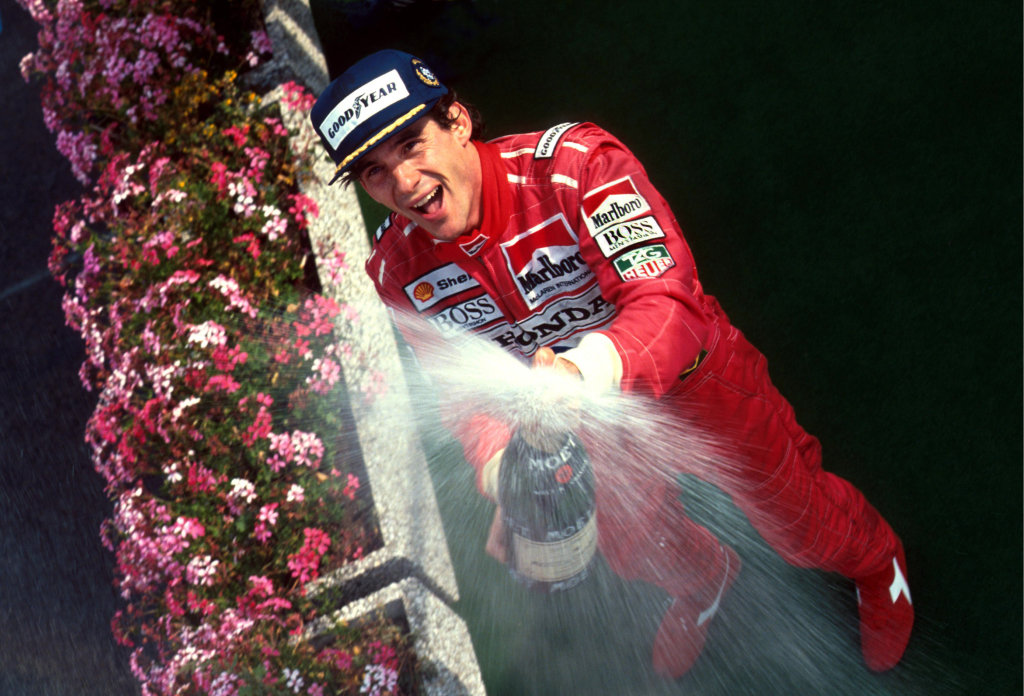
[{"x": 428, "y": 174}]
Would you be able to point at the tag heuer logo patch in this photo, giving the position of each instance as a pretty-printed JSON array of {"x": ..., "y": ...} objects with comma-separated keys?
[
  {"x": 626, "y": 234},
  {"x": 645, "y": 262}
]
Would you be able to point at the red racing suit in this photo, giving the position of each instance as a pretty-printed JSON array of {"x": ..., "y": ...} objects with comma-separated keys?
[{"x": 578, "y": 251}]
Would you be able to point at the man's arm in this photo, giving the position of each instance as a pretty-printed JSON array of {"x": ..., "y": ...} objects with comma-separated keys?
[{"x": 631, "y": 240}]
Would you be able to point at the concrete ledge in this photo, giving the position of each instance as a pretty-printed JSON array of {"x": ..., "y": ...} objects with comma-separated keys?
[
  {"x": 414, "y": 567},
  {"x": 443, "y": 648},
  {"x": 403, "y": 495}
]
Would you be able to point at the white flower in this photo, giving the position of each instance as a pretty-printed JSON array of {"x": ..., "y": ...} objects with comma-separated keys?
[
  {"x": 243, "y": 490},
  {"x": 200, "y": 570},
  {"x": 296, "y": 494},
  {"x": 207, "y": 333},
  {"x": 294, "y": 680}
]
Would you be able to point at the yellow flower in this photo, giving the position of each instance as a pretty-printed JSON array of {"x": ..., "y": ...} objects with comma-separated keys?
[{"x": 230, "y": 75}]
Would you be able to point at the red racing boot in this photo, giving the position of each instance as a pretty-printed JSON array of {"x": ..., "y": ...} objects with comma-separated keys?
[
  {"x": 684, "y": 627},
  {"x": 886, "y": 614}
]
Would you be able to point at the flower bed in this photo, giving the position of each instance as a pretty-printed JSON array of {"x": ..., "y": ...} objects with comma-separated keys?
[{"x": 189, "y": 276}]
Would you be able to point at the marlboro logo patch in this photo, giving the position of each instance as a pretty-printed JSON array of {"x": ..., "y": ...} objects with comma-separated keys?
[
  {"x": 645, "y": 262},
  {"x": 613, "y": 203},
  {"x": 546, "y": 261}
]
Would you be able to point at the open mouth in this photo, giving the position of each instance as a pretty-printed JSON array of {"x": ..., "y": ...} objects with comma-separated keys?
[{"x": 431, "y": 203}]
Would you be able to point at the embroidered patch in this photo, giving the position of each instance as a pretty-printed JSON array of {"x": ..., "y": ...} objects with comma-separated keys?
[
  {"x": 645, "y": 262},
  {"x": 546, "y": 261},
  {"x": 549, "y": 140},
  {"x": 424, "y": 73},
  {"x": 427, "y": 290},
  {"x": 557, "y": 321},
  {"x": 361, "y": 104},
  {"x": 474, "y": 245},
  {"x": 626, "y": 234},
  {"x": 465, "y": 316},
  {"x": 613, "y": 203},
  {"x": 383, "y": 228}
]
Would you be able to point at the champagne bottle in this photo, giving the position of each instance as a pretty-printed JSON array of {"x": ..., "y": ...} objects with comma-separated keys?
[{"x": 546, "y": 493}]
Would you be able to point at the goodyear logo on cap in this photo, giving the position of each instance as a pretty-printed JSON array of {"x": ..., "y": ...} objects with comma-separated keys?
[{"x": 361, "y": 104}]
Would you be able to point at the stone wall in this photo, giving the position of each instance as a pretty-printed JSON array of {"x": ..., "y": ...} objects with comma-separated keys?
[{"x": 413, "y": 568}]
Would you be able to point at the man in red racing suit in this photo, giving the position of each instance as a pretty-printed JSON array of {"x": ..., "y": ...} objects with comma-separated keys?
[{"x": 574, "y": 250}]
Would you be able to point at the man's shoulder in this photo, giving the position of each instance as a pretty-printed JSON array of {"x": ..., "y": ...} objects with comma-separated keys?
[
  {"x": 559, "y": 144},
  {"x": 393, "y": 245}
]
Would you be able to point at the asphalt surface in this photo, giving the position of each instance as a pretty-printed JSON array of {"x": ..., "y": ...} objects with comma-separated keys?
[{"x": 56, "y": 597}]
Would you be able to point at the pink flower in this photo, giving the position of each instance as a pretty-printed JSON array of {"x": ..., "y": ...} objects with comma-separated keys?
[
  {"x": 254, "y": 243},
  {"x": 352, "y": 487},
  {"x": 305, "y": 564},
  {"x": 296, "y": 97},
  {"x": 329, "y": 373},
  {"x": 261, "y": 586},
  {"x": 268, "y": 514},
  {"x": 261, "y": 42},
  {"x": 80, "y": 150},
  {"x": 239, "y": 135},
  {"x": 262, "y": 532},
  {"x": 222, "y": 383}
]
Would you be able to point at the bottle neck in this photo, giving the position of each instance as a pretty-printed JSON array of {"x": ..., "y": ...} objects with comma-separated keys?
[{"x": 543, "y": 439}]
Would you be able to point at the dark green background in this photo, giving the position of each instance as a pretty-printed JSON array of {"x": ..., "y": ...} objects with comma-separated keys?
[{"x": 848, "y": 177}]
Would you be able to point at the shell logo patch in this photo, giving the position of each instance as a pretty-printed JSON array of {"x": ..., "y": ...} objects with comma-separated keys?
[
  {"x": 645, "y": 262},
  {"x": 430, "y": 288},
  {"x": 423, "y": 292},
  {"x": 424, "y": 73}
]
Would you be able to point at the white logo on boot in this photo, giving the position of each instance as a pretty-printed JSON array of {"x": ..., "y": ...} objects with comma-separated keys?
[
  {"x": 899, "y": 585},
  {"x": 706, "y": 615}
]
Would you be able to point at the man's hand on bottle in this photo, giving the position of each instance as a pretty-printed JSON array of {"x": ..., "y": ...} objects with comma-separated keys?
[{"x": 546, "y": 358}]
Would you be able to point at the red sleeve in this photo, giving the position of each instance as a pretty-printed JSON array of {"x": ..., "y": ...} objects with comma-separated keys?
[
  {"x": 480, "y": 434},
  {"x": 660, "y": 326}
]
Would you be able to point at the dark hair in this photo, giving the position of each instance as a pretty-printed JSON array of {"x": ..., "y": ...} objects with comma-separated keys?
[{"x": 442, "y": 116}]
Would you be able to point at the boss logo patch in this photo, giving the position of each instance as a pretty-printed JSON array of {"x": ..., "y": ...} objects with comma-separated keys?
[
  {"x": 645, "y": 262},
  {"x": 465, "y": 316},
  {"x": 613, "y": 203},
  {"x": 546, "y": 261},
  {"x": 427, "y": 290},
  {"x": 626, "y": 234},
  {"x": 549, "y": 141}
]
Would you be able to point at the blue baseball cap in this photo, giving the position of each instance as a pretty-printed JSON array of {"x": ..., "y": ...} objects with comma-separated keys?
[{"x": 377, "y": 97}]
